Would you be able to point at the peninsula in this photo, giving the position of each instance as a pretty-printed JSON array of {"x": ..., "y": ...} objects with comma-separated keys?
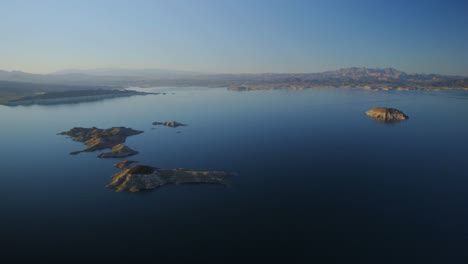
[{"x": 73, "y": 96}]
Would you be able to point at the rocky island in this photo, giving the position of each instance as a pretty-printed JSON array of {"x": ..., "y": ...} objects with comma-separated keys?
[
  {"x": 384, "y": 114},
  {"x": 118, "y": 151},
  {"x": 142, "y": 177},
  {"x": 169, "y": 124},
  {"x": 124, "y": 164},
  {"x": 97, "y": 139}
]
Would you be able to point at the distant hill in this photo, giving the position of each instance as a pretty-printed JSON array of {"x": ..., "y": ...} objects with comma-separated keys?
[
  {"x": 149, "y": 73},
  {"x": 381, "y": 74},
  {"x": 361, "y": 77}
]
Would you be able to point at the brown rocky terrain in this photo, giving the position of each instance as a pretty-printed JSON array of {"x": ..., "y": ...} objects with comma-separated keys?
[
  {"x": 384, "y": 114},
  {"x": 142, "y": 177},
  {"x": 118, "y": 151},
  {"x": 97, "y": 139},
  {"x": 124, "y": 164}
]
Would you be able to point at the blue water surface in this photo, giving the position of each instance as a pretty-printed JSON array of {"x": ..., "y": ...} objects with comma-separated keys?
[{"x": 316, "y": 179}]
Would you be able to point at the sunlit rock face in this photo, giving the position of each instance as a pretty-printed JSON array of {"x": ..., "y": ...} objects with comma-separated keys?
[
  {"x": 124, "y": 164},
  {"x": 384, "y": 114},
  {"x": 142, "y": 177},
  {"x": 118, "y": 151},
  {"x": 97, "y": 139}
]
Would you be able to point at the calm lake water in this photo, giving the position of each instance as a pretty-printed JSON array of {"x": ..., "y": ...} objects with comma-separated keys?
[{"x": 317, "y": 179}]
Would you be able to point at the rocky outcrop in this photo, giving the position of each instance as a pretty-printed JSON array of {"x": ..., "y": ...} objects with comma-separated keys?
[
  {"x": 142, "y": 177},
  {"x": 169, "y": 124},
  {"x": 384, "y": 114},
  {"x": 97, "y": 139},
  {"x": 118, "y": 151},
  {"x": 124, "y": 164}
]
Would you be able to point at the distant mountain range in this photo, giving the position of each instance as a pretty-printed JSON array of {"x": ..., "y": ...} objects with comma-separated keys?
[
  {"x": 367, "y": 78},
  {"x": 153, "y": 73}
]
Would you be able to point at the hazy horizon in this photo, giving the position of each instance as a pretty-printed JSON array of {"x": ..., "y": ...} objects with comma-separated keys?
[
  {"x": 235, "y": 37},
  {"x": 99, "y": 71}
]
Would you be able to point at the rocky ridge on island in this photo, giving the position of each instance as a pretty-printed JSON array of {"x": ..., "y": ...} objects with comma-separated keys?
[
  {"x": 118, "y": 151},
  {"x": 98, "y": 139},
  {"x": 142, "y": 177},
  {"x": 124, "y": 164},
  {"x": 169, "y": 124},
  {"x": 384, "y": 114}
]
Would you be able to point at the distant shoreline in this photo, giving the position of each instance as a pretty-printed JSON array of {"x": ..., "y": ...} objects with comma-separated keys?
[
  {"x": 71, "y": 97},
  {"x": 241, "y": 88}
]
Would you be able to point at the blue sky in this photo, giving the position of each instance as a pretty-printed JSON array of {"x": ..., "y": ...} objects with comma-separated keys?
[{"x": 235, "y": 36}]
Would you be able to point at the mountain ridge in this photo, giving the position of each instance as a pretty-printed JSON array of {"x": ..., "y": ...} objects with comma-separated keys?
[
  {"x": 361, "y": 77},
  {"x": 149, "y": 71}
]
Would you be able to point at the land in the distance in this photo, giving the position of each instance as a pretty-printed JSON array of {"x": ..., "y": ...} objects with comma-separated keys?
[
  {"x": 364, "y": 78},
  {"x": 72, "y": 96},
  {"x": 14, "y": 85}
]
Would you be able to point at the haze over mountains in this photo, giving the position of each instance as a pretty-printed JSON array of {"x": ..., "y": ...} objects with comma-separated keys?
[
  {"x": 155, "y": 73},
  {"x": 387, "y": 78}
]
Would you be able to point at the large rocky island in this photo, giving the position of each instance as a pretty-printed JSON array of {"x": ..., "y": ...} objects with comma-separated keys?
[
  {"x": 142, "y": 177},
  {"x": 98, "y": 139},
  {"x": 384, "y": 114}
]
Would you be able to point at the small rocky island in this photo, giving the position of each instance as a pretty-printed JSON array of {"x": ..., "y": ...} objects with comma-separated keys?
[
  {"x": 142, "y": 177},
  {"x": 169, "y": 124},
  {"x": 124, "y": 164},
  {"x": 98, "y": 139},
  {"x": 384, "y": 114},
  {"x": 118, "y": 151}
]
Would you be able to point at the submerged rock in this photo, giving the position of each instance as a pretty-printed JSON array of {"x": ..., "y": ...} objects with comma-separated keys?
[
  {"x": 97, "y": 139},
  {"x": 169, "y": 124},
  {"x": 118, "y": 151},
  {"x": 384, "y": 114},
  {"x": 124, "y": 164},
  {"x": 142, "y": 177}
]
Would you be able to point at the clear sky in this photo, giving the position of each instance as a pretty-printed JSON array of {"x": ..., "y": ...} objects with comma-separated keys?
[{"x": 235, "y": 36}]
